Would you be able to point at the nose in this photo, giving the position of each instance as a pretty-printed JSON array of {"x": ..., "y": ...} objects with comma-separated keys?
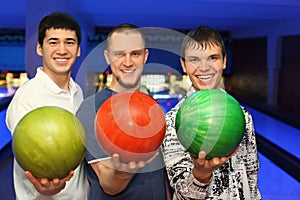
[
  {"x": 61, "y": 48},
  {"x": 127, "y": 60},
  {"x": 202, "y": 66}
]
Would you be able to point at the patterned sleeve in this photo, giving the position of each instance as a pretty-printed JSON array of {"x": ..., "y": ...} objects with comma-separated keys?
[
  {"x": 179, "y": 164},
  {"x": 251, "y": 158}
]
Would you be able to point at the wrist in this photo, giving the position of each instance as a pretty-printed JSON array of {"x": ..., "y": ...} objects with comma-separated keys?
[
  {"x": 202, "y": 177},
  {"x": 120, "y": 175}
]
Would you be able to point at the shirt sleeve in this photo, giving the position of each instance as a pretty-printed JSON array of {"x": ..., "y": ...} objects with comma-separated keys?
[
  {"x": 179, "y": 164},
  {"x": 15, "y": 111},
  {"x": 251, "y": 158},
  {"x": 87, "y": 114}
]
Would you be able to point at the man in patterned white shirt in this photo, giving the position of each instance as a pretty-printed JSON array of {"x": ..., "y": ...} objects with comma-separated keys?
[{"x": 231, "y": 177}]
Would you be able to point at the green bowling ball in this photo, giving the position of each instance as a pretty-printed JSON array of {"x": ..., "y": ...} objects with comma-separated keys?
[
  {"x": 49, "y": 142},
  {"x": 212, "y": 121}
]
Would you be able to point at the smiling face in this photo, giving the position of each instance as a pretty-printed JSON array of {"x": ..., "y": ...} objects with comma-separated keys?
[
  {"x": 204, "y": 66},
  {"x": 59, "y": 51},
  {"x": 126, "y": 54}
]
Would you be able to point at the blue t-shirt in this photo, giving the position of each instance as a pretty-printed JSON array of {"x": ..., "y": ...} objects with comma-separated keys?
[{"x": 146, "y": 184}]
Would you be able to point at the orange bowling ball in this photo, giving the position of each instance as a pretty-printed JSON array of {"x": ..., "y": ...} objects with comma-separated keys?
[{"x": 131, "y": 124}]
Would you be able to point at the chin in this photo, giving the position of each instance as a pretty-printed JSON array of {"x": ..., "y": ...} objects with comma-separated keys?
[{"x": 129, "y": 85}]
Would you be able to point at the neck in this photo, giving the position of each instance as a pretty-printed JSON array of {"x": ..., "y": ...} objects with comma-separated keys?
[
  {"x": 119, "y": 88},
  {"x": 61, "y": 80}
]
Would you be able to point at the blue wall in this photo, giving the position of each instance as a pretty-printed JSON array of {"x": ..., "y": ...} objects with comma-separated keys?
[{"x": 12, "y": 58}]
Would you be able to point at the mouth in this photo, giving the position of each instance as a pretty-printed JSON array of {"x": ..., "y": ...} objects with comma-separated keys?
[
  {"x": 61, "y": 60},
  {"x": 205, "y": 77},
  {"x": 128, "y": 70}
]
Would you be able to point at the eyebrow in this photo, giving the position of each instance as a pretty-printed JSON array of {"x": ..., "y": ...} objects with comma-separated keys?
[
  {"x": 190, "y": 57},
  {"x": 130, "y": 51},
  {"x": 68, "y": 39},
  {"x": 216, "y": 55}
]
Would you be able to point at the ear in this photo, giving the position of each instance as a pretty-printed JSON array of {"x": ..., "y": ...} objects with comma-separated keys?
[
  {"x": 79, "y": 52},
  {"x": 39, "y": 50},
  {"x": 106, "y": 57},
  {"x": 183, "y": 65},
  {"x": 224, "y": 62},
  {"x": 146, "y": 55}
]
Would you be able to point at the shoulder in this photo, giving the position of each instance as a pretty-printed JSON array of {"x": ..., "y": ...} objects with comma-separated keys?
[
  {"x": 246, "y": 111},
  {"x": 248, "y": 119},
  {"x": 172, "y": 113},
  {"x": 87, "y": 104},
  {"x": 95, "y": 100},
  {"x": 26, "y": 90}
]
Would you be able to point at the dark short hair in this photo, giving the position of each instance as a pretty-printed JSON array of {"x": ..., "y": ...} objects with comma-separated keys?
[
  {"x": 58, "y": 20},
  {"x": 202, "y": 36},
  {"x": 126, "y": 27}
]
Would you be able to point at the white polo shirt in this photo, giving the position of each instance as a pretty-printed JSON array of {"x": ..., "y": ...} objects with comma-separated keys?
[{"x": 37, "y": 92}]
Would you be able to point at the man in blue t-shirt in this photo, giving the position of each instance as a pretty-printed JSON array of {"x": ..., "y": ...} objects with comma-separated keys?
[{"x": 109, "y": 178}]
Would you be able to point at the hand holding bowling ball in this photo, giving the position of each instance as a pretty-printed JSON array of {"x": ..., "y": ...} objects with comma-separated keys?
[
  {"x": 131, "y": 124},
  {"x": 49, "y": 142},
  {"x": 210, "y": 121}
]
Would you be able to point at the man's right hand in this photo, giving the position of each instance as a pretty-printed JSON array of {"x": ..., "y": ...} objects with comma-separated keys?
[
  {"x": 204, "y": 168},
  {"x": 114, "y": 175},
  {"x": 47, "y": 187},
  {"x": 129, "y": 167}
]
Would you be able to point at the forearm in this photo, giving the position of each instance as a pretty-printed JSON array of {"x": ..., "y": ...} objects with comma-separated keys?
[
  {"x": 250, "y": 156},
  {"x": 182, "y": 180},
  {"x": 254, "y": 191},
  {"x": 179, "y": 165},
  {"x": 190, "y": 188},
  {"x": 114, "y": 182},
  {"x": 111, "y": 180},
  {"x": 202, "y": 177}
]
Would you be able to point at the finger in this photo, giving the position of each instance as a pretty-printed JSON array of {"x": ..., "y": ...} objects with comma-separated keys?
[
  {"x": 70, "y": 175},
  {"x": 45, "y": 182},
  {"x": 28, "y": 175},
  {"x": 234, "y": 152},
  {"x": 215, "y": 162},
  {"x": 31, "y": 178},
  {"x": 201, "y": 158},
  {"x": 132, "y": 165},
  {"x": 202, "y": 155},
  {"x": 141, "y": 164},
  {"x": 56, "y": 182},
  {"x": 116, "y": 160},
  {"x": 152, "y": 158}
]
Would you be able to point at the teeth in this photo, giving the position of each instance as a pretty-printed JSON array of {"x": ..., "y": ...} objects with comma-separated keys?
[
  {"x": 61, "y": 60},
  {"x": 128, "y": 70},
  {"x": 205, "y": 77}
]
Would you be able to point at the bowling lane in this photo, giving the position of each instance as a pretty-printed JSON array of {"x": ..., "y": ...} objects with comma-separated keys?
[
  {"x": 6, "y": 94},
  {"x": 6, "y": 160},
  {"x": 5, "y": 136},
  {"x": 281, "y": 134},
  {"x": 274, "y": 183}
]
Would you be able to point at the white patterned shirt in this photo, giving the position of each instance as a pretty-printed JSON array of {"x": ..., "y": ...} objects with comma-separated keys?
[{"x": 235, "y": 180}]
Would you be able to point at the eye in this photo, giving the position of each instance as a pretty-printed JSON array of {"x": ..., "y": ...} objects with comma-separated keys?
[
  {"x": 214, "y": 58},
  {"x": 193, "y": 60},
  {"x": 136, "y": 54},
  {"x": 70, "y": 43},
  {"x": 118, "y": 54},
  {"x": 52, "y": 42}
]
